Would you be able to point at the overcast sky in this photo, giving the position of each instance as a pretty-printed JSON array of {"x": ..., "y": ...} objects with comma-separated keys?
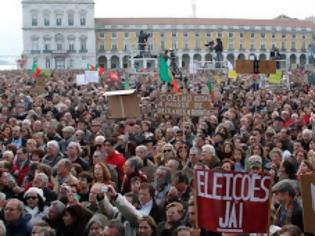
[{"x": 11, "y": 13}]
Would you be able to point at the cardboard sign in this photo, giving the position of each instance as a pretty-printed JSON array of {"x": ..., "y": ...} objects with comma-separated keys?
[
  {"x": 123, "y": 104},
  {"x": 244, "y": 67},
  {"x": 250, "y": 67},
  {"x": 308, "y": 196},
  {"x": 92, "y": 76},
  {"x": 233, "y": 202},
  {"x": 191, "y": 105},
  {"x": 267, "y": 67}
]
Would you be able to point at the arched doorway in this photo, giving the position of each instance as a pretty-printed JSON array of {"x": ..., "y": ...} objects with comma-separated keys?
[
  {"x": 303, "y": 59},
  {"x": 241, "y": 56},
  {"x": 208, "y": 57},
  {"x": 230, "y": 57},
  {"x": 262, "y": 57},
  {"x": 125, "y": 61},
  {"x": 102, "y": 61},
  {"x": 114, "y": 62},
  {"x": 252, "y": 56},
  {"x": 185, "y": 61},
  {"x": 292, "y": 59}
]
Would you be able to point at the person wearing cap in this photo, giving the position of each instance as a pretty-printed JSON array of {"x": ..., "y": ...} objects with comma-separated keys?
[
  {"x": 289, "y": 210},
  {"x": 34, "y": 201},
  {"x": 255, "y": 164}
]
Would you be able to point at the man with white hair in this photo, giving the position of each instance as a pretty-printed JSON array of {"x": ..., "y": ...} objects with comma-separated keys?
[
  {"x": 307, "y": 136},
  {"x": 73, "y": 153},
  {"x": 148, "y": 166},
  {"x": 170, "y": 135},
  {"x": 208, "y": 156},
  {"x": 53, "y": 154}
]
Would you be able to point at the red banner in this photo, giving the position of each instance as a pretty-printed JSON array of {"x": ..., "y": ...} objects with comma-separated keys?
[{"x": 233, "y": 201}]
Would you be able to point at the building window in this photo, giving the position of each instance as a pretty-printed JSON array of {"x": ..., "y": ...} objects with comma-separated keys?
[
  {"x": 262, "y": 35},
  {"x": 114, "y": 35},
  {"x": 283, "y": 35},
  {"x": 71, "y": 63},
  {"x": 252, "y": 35},
  {"x": 101, "y": 35},
  {"x": 47, "y": 44},
  {"x": 35, "y": 46},
  {"x": 82, "y": 20},
  {"x": 186, "y": 34},
  {"x": 231, "y": 35},
  {"x": 293, "y": 45},
  {"x": 58, "y": 20},
  {"x": 174, "y": 34},
  {"x": 126, "y": 35},
  {"x": 35, "y": 60},
  {"x": 241, "y": 35},
  {"x": 219, "y": 35},
  {"x": 34, "y": 20},
  {"x": 273, "y": 35},
  {"x": 208, "y": 35},
  {"x": 83, "y": 44},
  {"x": 59, "y": 46},
  {"x": 47, "y": 63},
  {"x": 101, "y": 46},
  {"x": 46, "y": 20},
  {"x": 114, "y": 47},
  {"x": 70, "y": 19},
  {"x": 71, "y": 45}
]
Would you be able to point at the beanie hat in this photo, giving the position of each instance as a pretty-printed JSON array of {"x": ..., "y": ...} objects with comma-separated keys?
[{"x": 38, "y": 191}]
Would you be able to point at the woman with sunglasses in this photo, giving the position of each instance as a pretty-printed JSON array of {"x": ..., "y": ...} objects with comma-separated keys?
[{"x": 34, "y": 201}]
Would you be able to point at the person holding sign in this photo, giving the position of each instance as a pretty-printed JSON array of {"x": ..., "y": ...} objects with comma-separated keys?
[{"x": 289, "y": 210}]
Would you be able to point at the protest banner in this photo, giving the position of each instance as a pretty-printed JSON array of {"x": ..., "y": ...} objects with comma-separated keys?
[
  {"x": 308, "y": 196},
  {"x": 92, "y": 76},
  {"x": 80, "y": 80},
  {"x": 190, "y": 105},
  {"x": 233, "y": 202}
]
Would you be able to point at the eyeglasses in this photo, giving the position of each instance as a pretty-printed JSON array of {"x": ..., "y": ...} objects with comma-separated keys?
[
  {"x": 31, "y": 197},
  {"x": 167, "y": 150},
  {"x": 98, "y": 145}
]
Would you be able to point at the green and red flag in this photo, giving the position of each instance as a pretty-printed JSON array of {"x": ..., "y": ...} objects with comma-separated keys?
[
  {"x": 90, "y": 67},
  {"x": 100, "y": 69},
  {"x": 35, "y": 70},
  {"x": 166, "y": 74},
  {"x": 210, "y": 88}
]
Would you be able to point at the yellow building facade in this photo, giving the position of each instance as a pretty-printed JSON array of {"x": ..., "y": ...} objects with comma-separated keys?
[{"x": 116, "y": 39}]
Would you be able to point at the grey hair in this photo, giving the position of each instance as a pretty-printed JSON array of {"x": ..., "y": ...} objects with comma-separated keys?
[
  {"x": 44, "y": 178},
  {"x": 168, "y": 177},
  {"x": 59, "y": 206},
  {"x": 54, "y": 143},
  {"x": 142, "y": 147},
  {"x": 97, "y": 218},
  {"x": 135, "y": 162}
]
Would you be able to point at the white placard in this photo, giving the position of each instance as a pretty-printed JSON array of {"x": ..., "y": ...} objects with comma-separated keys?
[
  {"x": 313, "y": 196},
  {"x": 92, "y": 77},
  {"x": 80, "y": 80}
]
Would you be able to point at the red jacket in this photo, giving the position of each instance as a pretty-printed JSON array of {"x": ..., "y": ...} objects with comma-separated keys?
[
  {"x": 117, "y": 160},
  {"x": 20, "y": 172}
]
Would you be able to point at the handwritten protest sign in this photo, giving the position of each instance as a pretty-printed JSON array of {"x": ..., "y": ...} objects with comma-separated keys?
[
  {"x": 233, "y": 201},
  {"x": 192, "y": 105}
]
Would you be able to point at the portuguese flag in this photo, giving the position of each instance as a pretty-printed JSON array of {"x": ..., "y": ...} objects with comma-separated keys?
[
  {"x": 100, "y": 69},
  {"x": 166, "y": 75},
  {"x": 35, "y": 71}
]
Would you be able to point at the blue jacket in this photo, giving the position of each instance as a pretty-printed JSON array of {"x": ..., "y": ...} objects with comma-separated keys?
[{"x": 20, "y": 228}]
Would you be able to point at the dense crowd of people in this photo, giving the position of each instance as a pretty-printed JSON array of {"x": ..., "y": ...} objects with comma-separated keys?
[{"x": 66, "y": 169}]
